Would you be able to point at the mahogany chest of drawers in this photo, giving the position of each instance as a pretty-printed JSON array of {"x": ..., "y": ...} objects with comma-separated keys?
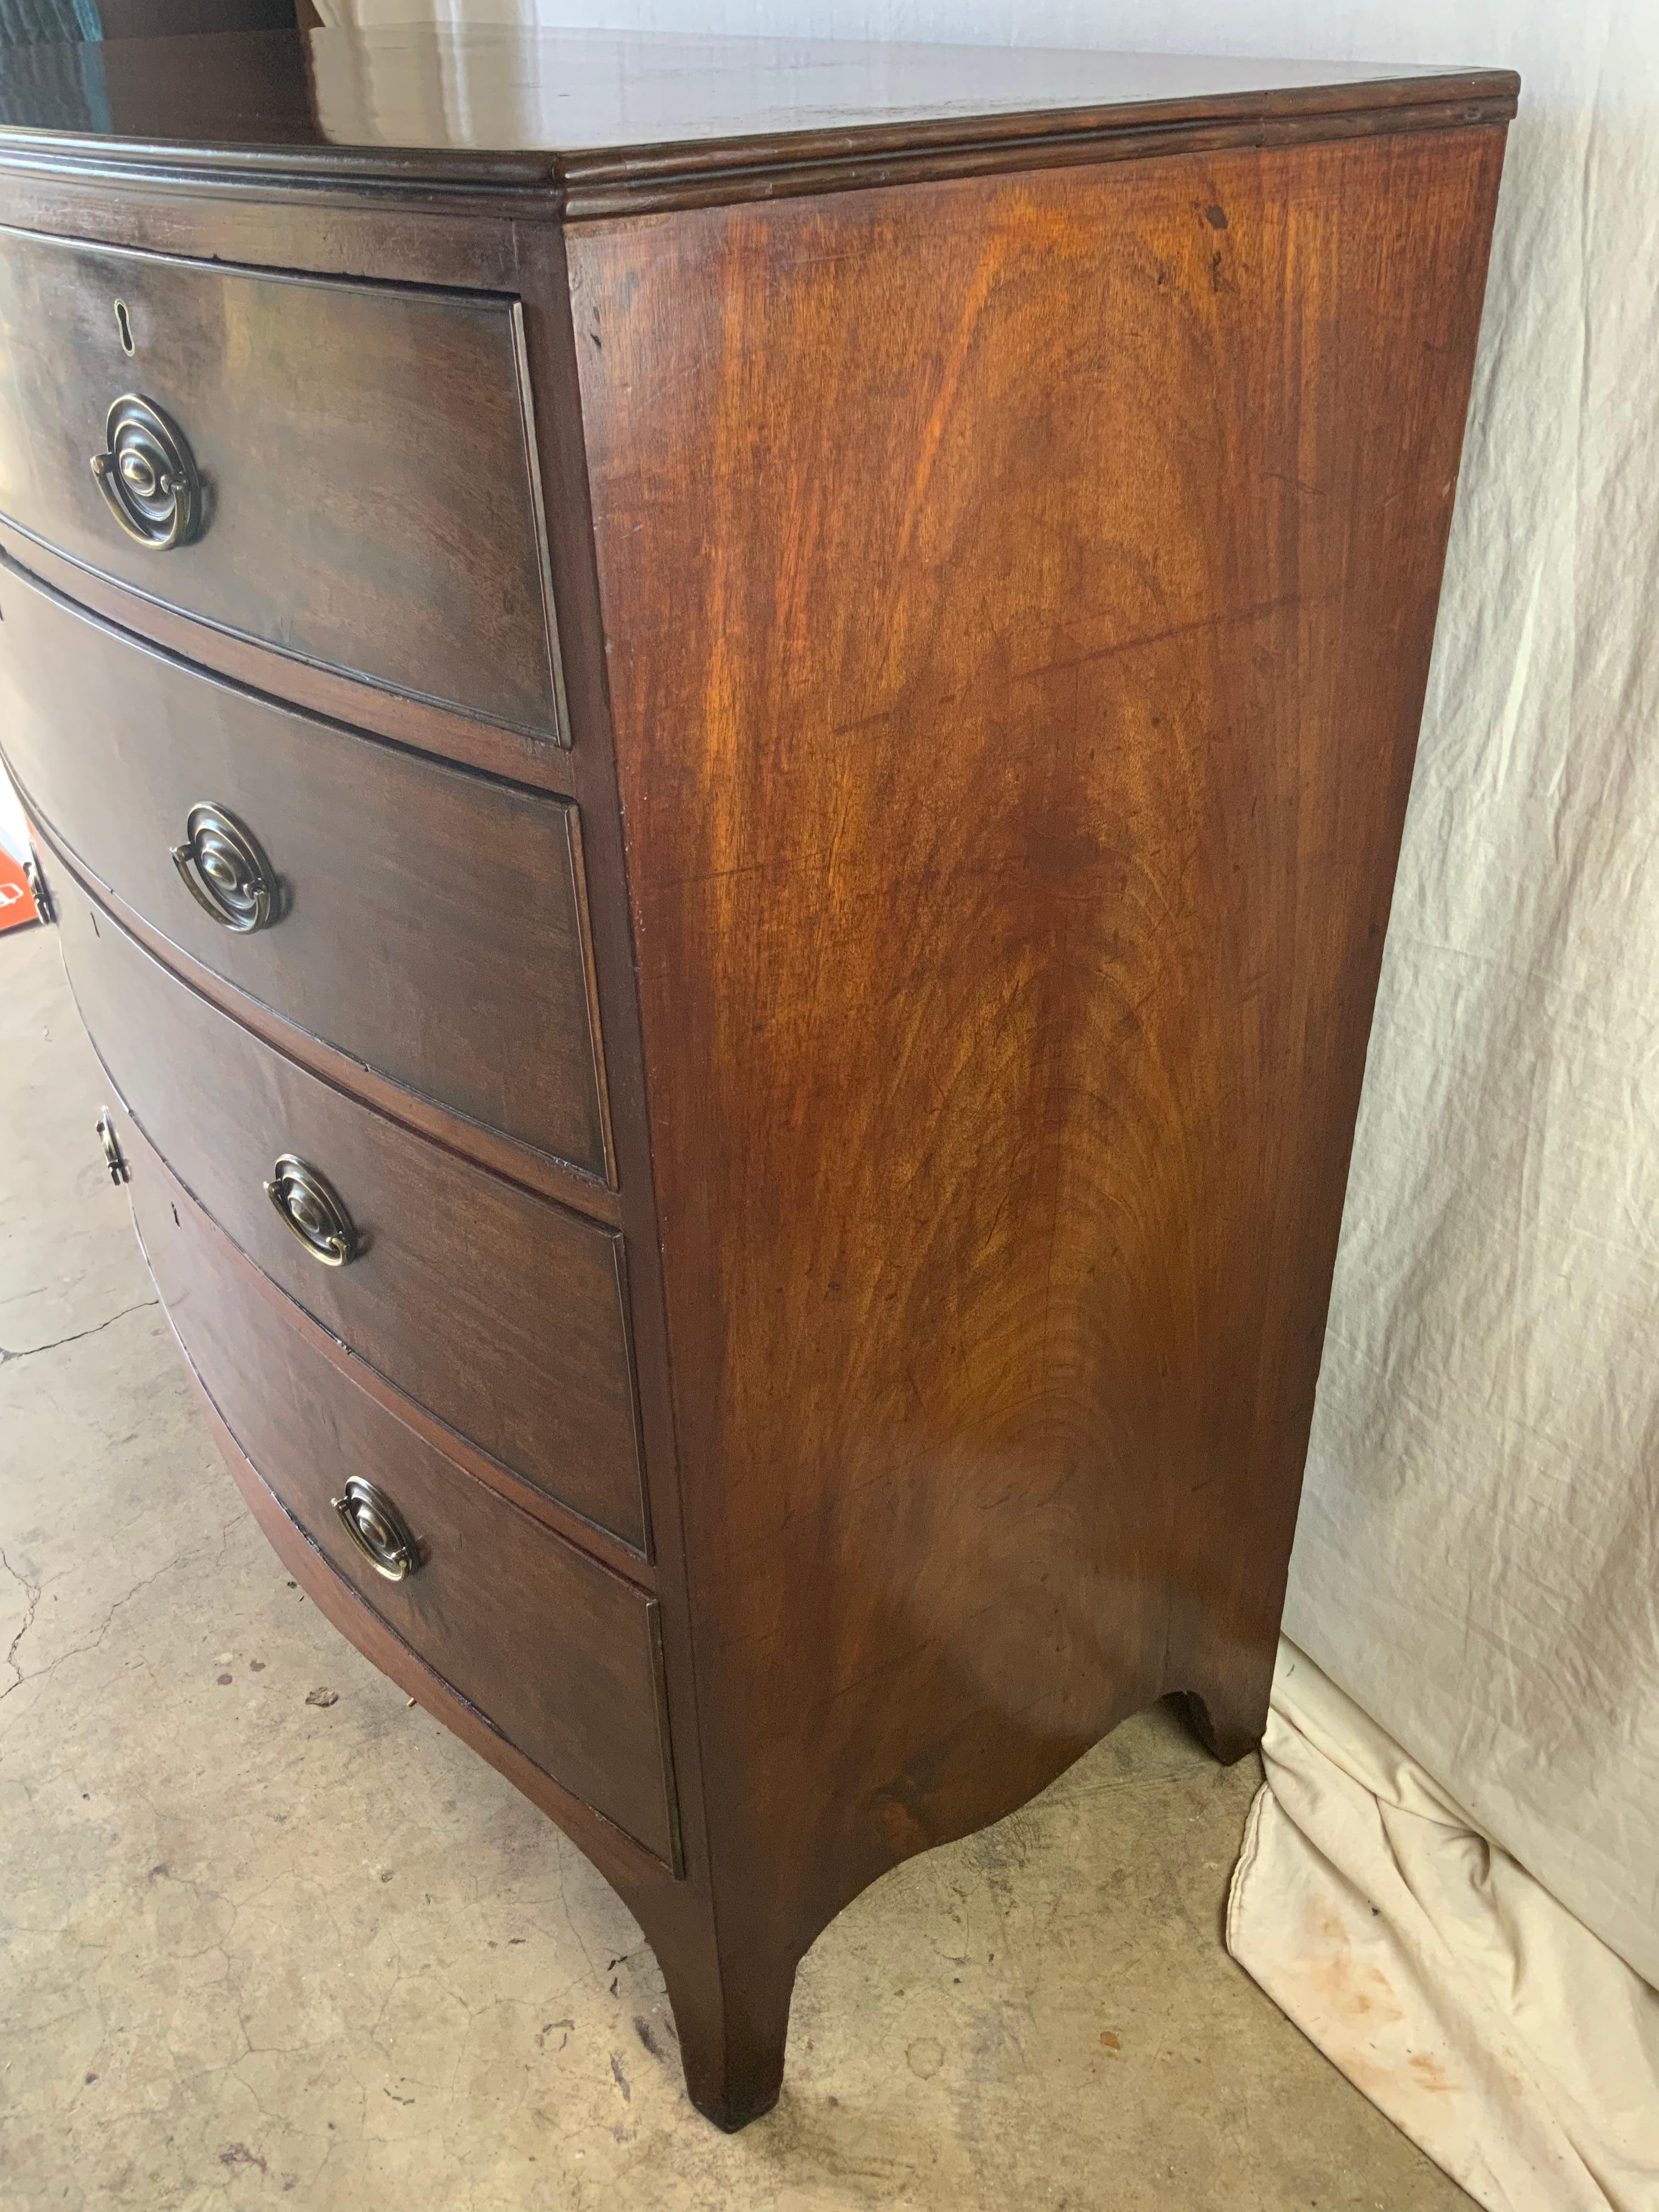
[{"x": 721, "y": 760}]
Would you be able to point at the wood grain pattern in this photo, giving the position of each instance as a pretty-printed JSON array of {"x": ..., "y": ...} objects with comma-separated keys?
[
  {"x": 491, "y": 1585},
  {"x": 364, "y": 451},
  {"x": 447, "y": 888},
  {"x": 1018, "y": 600},
  {"x": 502, "y": 1314}
]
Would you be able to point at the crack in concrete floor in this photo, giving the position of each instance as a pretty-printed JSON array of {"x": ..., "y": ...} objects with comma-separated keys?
[{"x": 36, "y": 1351}]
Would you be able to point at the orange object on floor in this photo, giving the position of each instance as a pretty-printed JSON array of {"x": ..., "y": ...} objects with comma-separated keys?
[{"x": 17, "y": 901}]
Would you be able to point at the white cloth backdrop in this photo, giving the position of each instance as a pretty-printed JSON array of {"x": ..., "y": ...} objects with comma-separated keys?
[{"x": 1476, "y": 1578}]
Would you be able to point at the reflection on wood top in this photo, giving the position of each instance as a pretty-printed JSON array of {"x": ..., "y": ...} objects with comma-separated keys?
[{"x": 609, "y": 121}]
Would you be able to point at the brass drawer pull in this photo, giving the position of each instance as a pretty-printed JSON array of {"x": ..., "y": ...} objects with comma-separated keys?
[
  {"x": 378, "y": 1529},
  {"x": 148, "y": 474},
  {"x": 222, "y": 867},
  {"x": 309, "y": 1208},
  {"x": 114, "y": 1159}
]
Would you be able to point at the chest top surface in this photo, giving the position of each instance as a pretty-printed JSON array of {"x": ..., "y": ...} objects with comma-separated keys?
[{"x": 607, "y": 113}]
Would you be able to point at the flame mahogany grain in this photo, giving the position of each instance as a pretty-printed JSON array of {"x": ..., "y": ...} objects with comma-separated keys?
[{"x": 1018, "y": 598}]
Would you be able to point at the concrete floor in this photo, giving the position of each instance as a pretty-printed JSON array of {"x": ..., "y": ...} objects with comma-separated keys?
[{"x": 260, "y": 1949}]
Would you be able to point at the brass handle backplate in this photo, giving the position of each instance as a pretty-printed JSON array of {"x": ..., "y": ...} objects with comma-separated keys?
[
  {"x": 378, "y": 1529},
  {"x": 310, "y": 1208},
  {"x": 114, "y": 1158},
  {"x": 147, "y": 475},
  {"x": 222, "y": 865}
]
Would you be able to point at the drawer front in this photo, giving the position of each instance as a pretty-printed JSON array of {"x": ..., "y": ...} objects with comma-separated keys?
[
  {"x": 365, "y": 499},
  {"x": 425, "y": 921},
  {"x": 502, "y": 1314},
  {"x": 556, "y": 1652}
]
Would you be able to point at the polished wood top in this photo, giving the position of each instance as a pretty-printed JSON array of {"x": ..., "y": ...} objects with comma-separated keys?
[{"x": 612, "y": 120}]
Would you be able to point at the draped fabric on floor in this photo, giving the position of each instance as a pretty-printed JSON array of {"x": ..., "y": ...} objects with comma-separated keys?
[{"x": 1442, "y": 1978}]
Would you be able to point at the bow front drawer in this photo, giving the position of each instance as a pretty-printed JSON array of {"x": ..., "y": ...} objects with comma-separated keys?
[
  {"x": 501, "y": 1313},
  {"x": 468, "y": 1582},
  {"x": 340, "y": 470},
  {"x": 352, "y": 887}
]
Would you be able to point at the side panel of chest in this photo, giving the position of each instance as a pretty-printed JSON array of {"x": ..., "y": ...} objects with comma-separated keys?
[{"x": 1019, "y": 596}]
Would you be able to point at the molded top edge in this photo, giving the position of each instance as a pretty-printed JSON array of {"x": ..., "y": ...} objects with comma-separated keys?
[{"x": 604, "y": 119}]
